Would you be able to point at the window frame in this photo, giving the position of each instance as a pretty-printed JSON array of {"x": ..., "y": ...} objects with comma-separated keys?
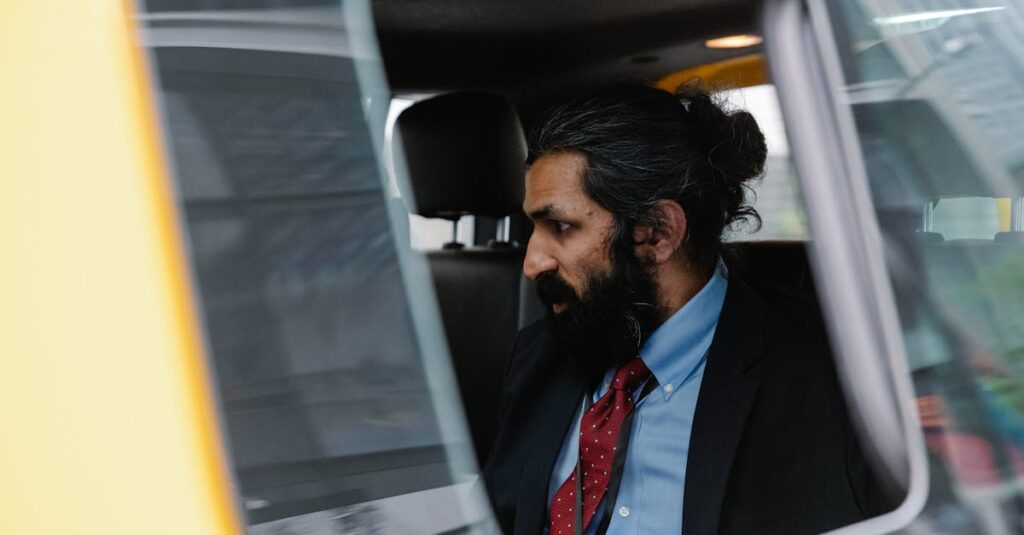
[{"x": 846, "y": 252}]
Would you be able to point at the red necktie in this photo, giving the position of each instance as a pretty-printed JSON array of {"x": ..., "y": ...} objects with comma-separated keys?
[{"x": 599, "y": 433}]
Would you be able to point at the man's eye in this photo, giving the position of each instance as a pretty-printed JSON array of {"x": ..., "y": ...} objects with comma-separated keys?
[{"x": 560, "y": 227}]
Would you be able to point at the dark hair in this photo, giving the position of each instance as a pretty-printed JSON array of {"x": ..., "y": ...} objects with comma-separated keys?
[{"x": 643, "y": 145}]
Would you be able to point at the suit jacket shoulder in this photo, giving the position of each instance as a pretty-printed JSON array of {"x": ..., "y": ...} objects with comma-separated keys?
[{"x": 797, "y": 466}]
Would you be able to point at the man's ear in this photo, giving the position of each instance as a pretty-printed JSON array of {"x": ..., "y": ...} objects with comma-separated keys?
[{"x": 659, "y": 242}]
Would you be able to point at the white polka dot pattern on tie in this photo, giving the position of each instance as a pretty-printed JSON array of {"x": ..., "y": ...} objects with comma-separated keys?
[{"x": 600, "y": 429}]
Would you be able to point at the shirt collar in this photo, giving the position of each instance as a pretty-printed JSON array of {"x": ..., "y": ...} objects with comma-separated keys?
[{"x": 677, "y": 348}]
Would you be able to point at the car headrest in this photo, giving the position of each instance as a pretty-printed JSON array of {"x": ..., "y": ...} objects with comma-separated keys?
[
  {"x": 466, "y": 154},
  {"x": 1011, "y": 237}
]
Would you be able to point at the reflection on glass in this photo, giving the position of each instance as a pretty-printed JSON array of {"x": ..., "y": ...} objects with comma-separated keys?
[
  {"x": 330, "y": 418},
  {"x": 937, "y": 91}
]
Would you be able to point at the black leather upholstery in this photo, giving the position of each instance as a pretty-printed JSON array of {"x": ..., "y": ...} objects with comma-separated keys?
[
  {"x": 478, "y": 293},
  {"x": 530, "y": 307},
  {"x": 466, "y": 155}
]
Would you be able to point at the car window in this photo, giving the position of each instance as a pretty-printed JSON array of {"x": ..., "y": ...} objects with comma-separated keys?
[
  {"x": 335, "y": 388},
  {"x": 964, "y": 218},
  {"x": 936, "y": 96}
]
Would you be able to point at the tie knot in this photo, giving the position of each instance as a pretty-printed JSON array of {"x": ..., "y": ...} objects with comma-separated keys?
[{"x": 630, "y": 375}]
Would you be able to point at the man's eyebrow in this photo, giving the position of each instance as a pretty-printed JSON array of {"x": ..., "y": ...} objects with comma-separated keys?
[{"x": 547, "y": 211}]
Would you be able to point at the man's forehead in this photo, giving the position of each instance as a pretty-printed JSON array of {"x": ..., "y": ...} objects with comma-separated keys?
[
  {"x": 553, "y": 183},
  {"x": 558, "y": 169}
]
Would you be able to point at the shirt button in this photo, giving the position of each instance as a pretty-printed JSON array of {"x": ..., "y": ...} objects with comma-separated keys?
[
  {"x": 623, "y": 511},
  {"x": 669, "y": 388}
]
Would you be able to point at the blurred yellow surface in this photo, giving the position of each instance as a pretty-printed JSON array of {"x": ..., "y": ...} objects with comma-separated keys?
[
  {"x": 1003, "y": 207},
  {"x": 744, "y": 71},
  {"x": 105, "y": 408}
]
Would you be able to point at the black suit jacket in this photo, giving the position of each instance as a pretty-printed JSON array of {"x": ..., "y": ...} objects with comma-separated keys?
[{"x": 771, "y": 448}]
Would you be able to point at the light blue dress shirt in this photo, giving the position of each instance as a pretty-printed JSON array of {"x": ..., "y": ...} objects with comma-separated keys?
[{"x": 650, "y": 497}]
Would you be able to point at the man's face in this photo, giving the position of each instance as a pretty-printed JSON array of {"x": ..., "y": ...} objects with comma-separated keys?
[
  {"x": 601, "y": 309},
  {"x": 570, "y": 236}
]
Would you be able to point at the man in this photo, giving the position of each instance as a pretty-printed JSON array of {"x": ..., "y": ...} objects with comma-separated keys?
[{"x": 662, "y": 393}]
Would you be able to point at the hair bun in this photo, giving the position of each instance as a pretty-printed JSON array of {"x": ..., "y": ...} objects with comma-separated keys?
[
  {"x": 735, "y": 143},
  {"x": 741, "y": 151}
]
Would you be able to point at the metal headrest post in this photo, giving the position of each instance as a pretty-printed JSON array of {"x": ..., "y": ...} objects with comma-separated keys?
[
  {"x": 503, "y": 234},
  {"x": 454, "y": 244},
  {"x": 928, "y": 216},
  {"x": 504, "y": 230}
]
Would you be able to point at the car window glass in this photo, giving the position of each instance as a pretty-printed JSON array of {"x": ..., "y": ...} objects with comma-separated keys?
[
  {"x": 935, "y": 92},
  {"x": 334, "y": 384}
]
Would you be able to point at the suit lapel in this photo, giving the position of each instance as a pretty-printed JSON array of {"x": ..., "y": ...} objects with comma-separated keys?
[
  {"x": 726, "y": 395},
  {"x": 559, "y": 401}
]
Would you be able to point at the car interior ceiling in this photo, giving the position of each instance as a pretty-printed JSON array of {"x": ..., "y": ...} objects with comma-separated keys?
[
  {"x": 536, "y": 53},
  {"x": 495, "y": 67}
]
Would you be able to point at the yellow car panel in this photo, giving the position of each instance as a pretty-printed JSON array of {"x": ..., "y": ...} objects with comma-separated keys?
[{"x": 105, "y": 408}]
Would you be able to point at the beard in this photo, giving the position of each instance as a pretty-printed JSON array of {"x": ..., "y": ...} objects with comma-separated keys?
[{"x": 606, "y": 323}]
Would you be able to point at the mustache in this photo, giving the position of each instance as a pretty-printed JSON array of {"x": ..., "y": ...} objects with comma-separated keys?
[{"x": 553, "y": 289}]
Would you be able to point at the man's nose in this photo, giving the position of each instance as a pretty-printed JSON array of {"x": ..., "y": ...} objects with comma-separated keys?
[{"x": 537, "y": 261}]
